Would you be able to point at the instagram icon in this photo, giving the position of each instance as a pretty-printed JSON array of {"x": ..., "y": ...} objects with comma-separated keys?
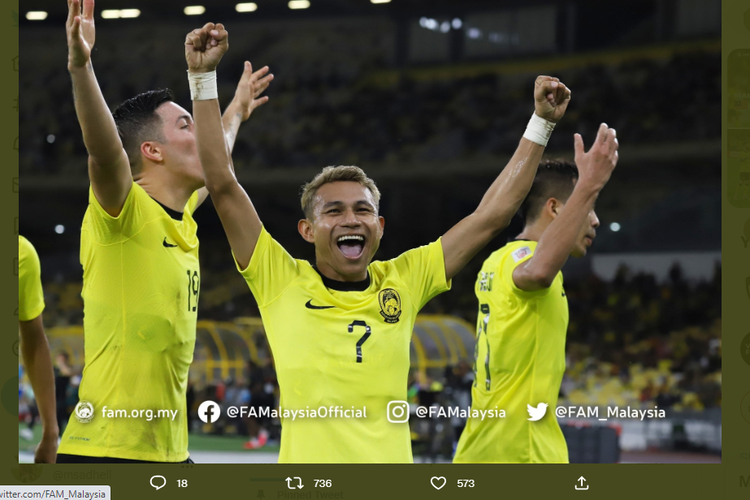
[{"x": 398, "y": 412}]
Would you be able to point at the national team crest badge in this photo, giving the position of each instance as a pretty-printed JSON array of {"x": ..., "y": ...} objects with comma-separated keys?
[{"x": 390, "y": 305}]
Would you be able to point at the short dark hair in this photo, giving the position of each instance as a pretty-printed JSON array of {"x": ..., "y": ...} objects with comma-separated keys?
[
  {"x": 137, "y": 122},
  {"x": 554, "y": 179}
]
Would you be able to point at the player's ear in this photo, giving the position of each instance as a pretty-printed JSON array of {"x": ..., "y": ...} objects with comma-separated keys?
[
  {"x": 381, "y": 221},
  {"x": 553, "y": 207},
  {"x": 152, "y": 151},
  {"x": 305, "y": 229}
]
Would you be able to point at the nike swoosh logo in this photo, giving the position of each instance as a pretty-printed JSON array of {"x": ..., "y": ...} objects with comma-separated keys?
[
  {"x": 309, "y": 305},
  {"x": 167, "y": 245},
  {"x": 563, "y": 294}
]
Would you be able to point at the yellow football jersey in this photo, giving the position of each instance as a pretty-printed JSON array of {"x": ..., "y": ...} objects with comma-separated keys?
[
  {"x": 140, "y": 293},
  {"x": 342, "y": 345},
  {"x": 30, "y": 294},
  {"x": 520, "y": 361}
]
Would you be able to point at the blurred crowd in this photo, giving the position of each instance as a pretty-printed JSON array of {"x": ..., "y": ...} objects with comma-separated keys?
[
  {"x": 635, "y": 341},
  {"x": 351, "y": 106}
]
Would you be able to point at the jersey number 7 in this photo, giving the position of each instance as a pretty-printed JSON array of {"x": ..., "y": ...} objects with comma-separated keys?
[{"x": 363, "y": 339}]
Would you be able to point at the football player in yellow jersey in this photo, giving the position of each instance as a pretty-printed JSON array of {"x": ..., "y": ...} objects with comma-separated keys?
[
  {"x": 139, "y": 252},
  {"x": 523, "y": 312},
  {"x": 340, "y": 330},
  {"x": 35, "y": 348}
]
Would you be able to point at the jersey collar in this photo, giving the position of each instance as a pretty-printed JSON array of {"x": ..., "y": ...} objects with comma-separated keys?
[
  {"x": 345, "y": 286},
  {"x": 172, "y": 213}
]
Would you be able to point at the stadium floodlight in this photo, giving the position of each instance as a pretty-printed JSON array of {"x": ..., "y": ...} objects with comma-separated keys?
[
  {"x": 457, "y": 23},
  {"x": 246, "y": 7},
  {"x": 380, "y": 1},
  {"x": 194, "y": 10},
  {"x": 614, "y": 227},
  {"x": 36, "y": 15},
  {"x": 299, "y": 4},
  {"x": 129, "y": 13},
  {"x": 59, "y": 229},
  {"x": 120, "y": 14}
]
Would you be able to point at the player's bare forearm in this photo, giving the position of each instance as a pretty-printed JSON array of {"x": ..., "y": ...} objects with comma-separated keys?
[
  {"x": 109, "y": 169},
  {"x": 231, "y": 121},
  {"x": 212, "y": 147},
  {"x": 501, "y": 201},
  {"x": 247, "y": 97},
  {"x": 504, "y": 197},
  {"x": 238, "y": 216},
  {"x": 204, "y": 49},
  {"x": 559, "y": 238},
  {"x": 38, "y": 363},
  {"x": 97, "y": 125},
  {"x": 557, "y": 241}
]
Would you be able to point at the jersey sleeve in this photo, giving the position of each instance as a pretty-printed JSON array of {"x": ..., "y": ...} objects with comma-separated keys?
[
  {"x": 270, "y": 271},
  {"x": 106, "y": 229},
  {"x": 423, "y": 271},
  {"x": 508, "y": 264},
  {"x": 30, "y": 293}
]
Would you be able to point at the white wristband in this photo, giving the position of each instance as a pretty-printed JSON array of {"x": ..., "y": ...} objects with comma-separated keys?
[
  {"x": 203, "y": 86},
  {"x": 539, "y": 130}
]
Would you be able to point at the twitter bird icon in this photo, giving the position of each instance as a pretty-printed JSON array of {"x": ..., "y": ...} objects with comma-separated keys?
[{"x": 537, "y": 413}]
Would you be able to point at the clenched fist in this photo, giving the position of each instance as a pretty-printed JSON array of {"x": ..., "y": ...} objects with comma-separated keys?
[
  {"x": 204, "y": 47},
  {"x": 551, "y": 98}
]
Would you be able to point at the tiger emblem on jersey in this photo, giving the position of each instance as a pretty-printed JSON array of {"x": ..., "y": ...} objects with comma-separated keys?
[{"x": 390, "y": 305}]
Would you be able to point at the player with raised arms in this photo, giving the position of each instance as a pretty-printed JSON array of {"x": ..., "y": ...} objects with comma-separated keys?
[
  {"x": 35, "y": 348},
  {"x": 340, "y": 329},
  {"x": 139, "y": 252},
  {"x": 523, "y": 312}
]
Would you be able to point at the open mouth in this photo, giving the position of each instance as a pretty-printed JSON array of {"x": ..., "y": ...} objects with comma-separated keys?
[{"x": 351, "y": 245}]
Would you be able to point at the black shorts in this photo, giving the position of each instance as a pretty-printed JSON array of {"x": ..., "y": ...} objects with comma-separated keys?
[{"x": 82, "y": 459}]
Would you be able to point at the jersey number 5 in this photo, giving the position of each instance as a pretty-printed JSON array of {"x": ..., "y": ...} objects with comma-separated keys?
[
  {"x": 193, "y": 287},
  {"x": 363, "y": 339}
]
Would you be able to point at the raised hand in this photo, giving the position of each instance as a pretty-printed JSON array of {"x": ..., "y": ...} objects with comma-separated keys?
[
  {"x": 551, "y": 98},
  {"x": 251, "y": 86},
  {"x": 597, "y": 165},
  {"x": 205, "y": 47},
  {"x": 81, "y": 32}
]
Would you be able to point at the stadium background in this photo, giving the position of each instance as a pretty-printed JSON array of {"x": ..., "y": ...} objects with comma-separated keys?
[{"x": 430, "y": 98}]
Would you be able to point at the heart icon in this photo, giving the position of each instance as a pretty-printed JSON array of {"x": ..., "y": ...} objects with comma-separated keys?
[{"x": 437, "y": 482}]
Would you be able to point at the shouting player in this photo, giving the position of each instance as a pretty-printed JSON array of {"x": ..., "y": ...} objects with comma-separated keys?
[
  {"x": 523, "y": 312},
  {"x": 340, "y": 329},
  {"x": 139, "y": 253},
  {"x": 35, "y": 348}
]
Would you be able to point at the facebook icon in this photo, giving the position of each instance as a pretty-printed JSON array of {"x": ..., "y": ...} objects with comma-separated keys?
[{"x": 209, "y": 412}]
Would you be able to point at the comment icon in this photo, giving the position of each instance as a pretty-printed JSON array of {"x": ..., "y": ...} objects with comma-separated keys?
[{"x": 158, "y": 482}]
